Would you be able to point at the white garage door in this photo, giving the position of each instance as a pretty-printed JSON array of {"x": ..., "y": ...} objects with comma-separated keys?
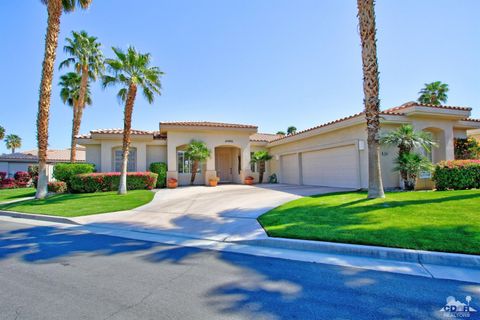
[
  {"x": 289, "y": 169},
  {"x": 335, "y": 167}
]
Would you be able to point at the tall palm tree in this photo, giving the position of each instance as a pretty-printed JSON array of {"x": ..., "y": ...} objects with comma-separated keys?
[
  {"x": 87, "y": 58},
  {"x": 12, "y": 141},
  {"x": 131, "y": 70},
  {"x": 2, "y": 132},
  {"x": 70, "y": 93},
  {"x": 434, "y": 93},
  {"x": 366, "y": 17},
  {"x": 54, "y": 9}
]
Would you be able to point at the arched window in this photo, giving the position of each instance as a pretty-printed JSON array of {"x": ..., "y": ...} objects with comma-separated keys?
[{"x": 118, "y": 156}]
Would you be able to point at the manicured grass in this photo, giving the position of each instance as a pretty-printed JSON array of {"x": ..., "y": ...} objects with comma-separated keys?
[
  {"x": 13, "y": 194},
  {"x": 431, "y": 220},
  {"x": 82, "y": 204}
]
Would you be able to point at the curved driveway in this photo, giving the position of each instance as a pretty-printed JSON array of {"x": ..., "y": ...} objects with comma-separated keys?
[{"x": 224, "y": 213}]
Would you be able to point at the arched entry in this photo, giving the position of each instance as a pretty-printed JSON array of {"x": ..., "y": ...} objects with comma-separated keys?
[
  {"x": 438, "y": 153},
  {"x": 228, "y": 164}
]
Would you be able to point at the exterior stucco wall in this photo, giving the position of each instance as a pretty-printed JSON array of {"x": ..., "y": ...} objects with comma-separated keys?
[
  {"x": 156, "y": 154},
  {"x": 93, "y": 155},
  {"x": 344, "y": 136}
]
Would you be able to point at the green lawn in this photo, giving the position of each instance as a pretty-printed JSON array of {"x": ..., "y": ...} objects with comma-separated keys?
[
  {"x": 13, "y": 194},
  {"x": 432, "y": 220},
  {"x": 82, "y": 204}
]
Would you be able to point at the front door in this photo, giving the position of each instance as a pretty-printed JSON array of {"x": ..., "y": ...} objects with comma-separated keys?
[{"x": 223, "y": 164}]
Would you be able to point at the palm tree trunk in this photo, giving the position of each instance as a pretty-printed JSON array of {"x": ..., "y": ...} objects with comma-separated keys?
[
  {"x": 54, "y": 8},
  {"x": 127, "y": 126},
  {"x": 78, "y": 112},
  {"x": 194, "y": 172},
  {"x": 262, "y": 171},
  {"x": 366, "y": 16},
  {"x": 73, "y": 149}
]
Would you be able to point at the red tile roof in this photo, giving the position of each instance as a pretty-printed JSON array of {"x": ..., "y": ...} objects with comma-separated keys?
[
  {"x": 413, "y": 103},
  {"x": 156, "y": 134},
  {"x": 208, "y": 124},
  {"x": 62, "y": 155},
  {"x": 265, "y": 137}
]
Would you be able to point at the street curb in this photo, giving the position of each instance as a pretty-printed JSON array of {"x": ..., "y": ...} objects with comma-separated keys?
[
  {"x": 33, "y": 216},
  {"x": 407, "y": 255}
]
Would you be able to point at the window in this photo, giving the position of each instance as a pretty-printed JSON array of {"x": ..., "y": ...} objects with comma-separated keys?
[
  {"x": 132, "y": 160},
  {"x": 253, "y": 165},
  {"x": 185, "y": 164}
]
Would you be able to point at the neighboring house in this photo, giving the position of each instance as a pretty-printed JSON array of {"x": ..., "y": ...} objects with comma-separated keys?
[
  {"x": 19, "y": 161},
  {"x": 331, "y": 154}
]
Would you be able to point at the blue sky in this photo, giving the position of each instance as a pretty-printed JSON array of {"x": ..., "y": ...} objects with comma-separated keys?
[{"x": 273, "y": 63}]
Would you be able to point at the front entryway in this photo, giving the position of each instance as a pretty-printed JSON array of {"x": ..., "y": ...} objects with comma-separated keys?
[{"x": 228, "y": 164}]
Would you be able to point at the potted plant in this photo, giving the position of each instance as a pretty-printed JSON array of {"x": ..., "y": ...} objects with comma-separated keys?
[
  {"x": 213, "y": 181},
  {"x": 249, "y": 180},
  {"x": 172, "y": 183}
]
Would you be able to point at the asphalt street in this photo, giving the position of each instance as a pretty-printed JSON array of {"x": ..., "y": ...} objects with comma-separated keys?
[{"x": 51, "y": 273}]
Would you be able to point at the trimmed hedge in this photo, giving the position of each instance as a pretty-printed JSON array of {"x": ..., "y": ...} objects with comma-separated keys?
[
  {"x": 57, "y": 187},
  {"x": 65, "y": 171},
  {"x": 8, "y": 183},
  {"x": 22, "y": 179},
  {"x": 457, "y": 175},
  {"x": 109, "y": 181},
  {"x": 160, "y": 168}
]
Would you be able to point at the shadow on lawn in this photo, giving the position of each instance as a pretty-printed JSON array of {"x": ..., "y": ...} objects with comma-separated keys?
[{"x": 257, "y": 286}]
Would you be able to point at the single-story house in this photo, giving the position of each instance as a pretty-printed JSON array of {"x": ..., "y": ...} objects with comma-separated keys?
[
  {"x": 331, "y": 154},
  {"x": 20, "y": 161}
]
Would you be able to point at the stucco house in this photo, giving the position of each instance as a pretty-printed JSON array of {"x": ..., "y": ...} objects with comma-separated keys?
[
  {"x": 20, "y": 161},
  {"x": 331, "y": 154}
]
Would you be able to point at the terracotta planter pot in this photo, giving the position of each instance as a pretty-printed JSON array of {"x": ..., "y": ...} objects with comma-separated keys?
[
  {"x": 213, "y": 182},
  {"x": 249, "y": 181},
  {"x": 172, "y": 184}
]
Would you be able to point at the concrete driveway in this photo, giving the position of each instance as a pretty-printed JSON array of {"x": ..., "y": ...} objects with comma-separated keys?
[{"x": 224, "y": 213}]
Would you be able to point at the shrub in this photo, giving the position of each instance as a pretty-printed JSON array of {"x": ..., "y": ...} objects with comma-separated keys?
[
  {"x": 2, "y": 175},
  {"x": 160, "y": 168},
  {"x": 65, "y": 171},
  {"x": 7, "y": 183},
  {"x": 457, "y": 174},
  {"x": 22, "y": 179},
  {"x": 57, "y": 187},
  {"x": 466, "y": 148},
  {"x": 33, "y": 172},
  {"x": 109, "y": 181}
]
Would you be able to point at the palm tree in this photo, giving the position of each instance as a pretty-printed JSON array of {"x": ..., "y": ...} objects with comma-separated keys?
[
  {"x": 2, "y": 132},
  {"x": 291, "y": 130},
  {"x": 12, "y": 141},
  {"x": 88, "y": 61},
  {"x": 409, "y": 165},
  {"x": 131, "y": 70},
  {"x": 434, "y": 93},
  {"x": 260, "y": 157},
  {"x": 54, "y": 9},
  {"x": 406, "y": 138},
  {"x": 197, "y": 152},
  {"x": 366, "y": 17},
  {"x": 69, "y": 93}
]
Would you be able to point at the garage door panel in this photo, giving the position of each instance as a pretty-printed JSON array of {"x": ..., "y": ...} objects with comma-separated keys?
[
  {"x": 290, "y": 169},
  {"x": 335, "y": 167}
]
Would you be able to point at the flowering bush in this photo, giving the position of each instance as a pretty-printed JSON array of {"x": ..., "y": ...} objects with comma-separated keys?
[
  {"x": 22, "y": 179},
  {"x": 2, "y": 175},
  {"x": 457, "y": 174},
  {"x": 57, "y": 187},
  {"x": 109, "y": 181},
  {"x": 7, "y": 183},
  {"x": 466, "y": 148}
]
